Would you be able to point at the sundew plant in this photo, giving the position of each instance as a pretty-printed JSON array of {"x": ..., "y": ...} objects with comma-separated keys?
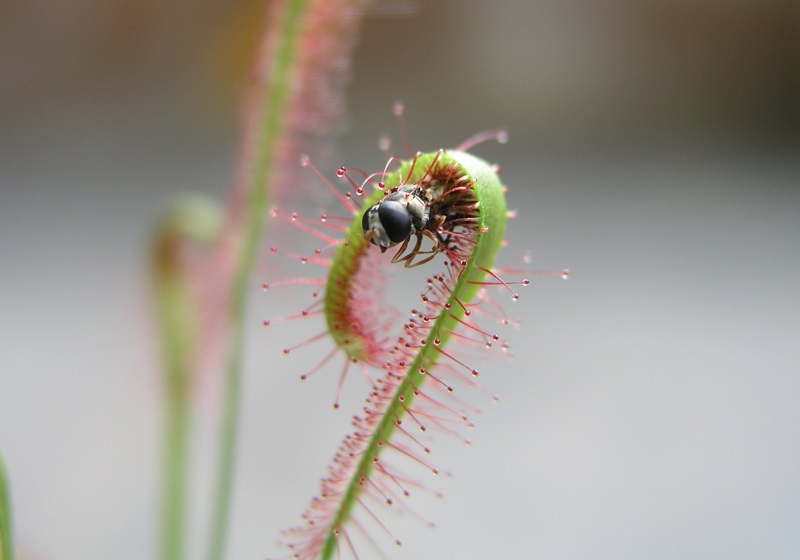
[
  {"x": 436, "y": 217},
  {"x": 444, "y": 211}
]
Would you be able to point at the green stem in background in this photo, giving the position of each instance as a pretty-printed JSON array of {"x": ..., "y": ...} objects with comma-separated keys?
[
  {"x": 6, "y": 525},
  {"x": 191, "y": 219},
  {"x": 269, "y": 132}
]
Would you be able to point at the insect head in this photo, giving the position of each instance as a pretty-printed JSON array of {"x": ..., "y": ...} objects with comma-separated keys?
[{"x": 395, "y": 218}]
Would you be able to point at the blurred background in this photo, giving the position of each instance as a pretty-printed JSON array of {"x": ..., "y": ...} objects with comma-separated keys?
[{"x": 651, "y": 409}]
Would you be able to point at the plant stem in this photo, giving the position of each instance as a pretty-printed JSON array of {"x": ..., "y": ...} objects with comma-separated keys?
[
  {"x": 270, "y": 129},
  {"x": 191, "y": 219},
  {"x": 175, "y": 475},
  {"x": 6, "y": 525}
]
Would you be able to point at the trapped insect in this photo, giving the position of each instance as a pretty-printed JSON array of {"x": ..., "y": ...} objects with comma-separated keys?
[
  {"x": 403, "y": 213},
  {"x": 408, "y": 210}
]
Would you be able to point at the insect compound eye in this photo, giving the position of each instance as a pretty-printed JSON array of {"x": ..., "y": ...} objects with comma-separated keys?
[
  {"x": 395, "y": 219},
  {"x": 373, "y": 230},
  {"x": 367, "y": 218}
]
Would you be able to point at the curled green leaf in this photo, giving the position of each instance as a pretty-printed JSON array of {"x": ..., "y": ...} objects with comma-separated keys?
[{"x": 466, "y": 203}]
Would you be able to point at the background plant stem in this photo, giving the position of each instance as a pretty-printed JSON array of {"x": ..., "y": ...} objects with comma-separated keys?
[
  {"x": 270, "y": 129},
  {"x": 175, "y": 474},
  {"x": 190, "y": 220},
  {"x": 6, "y": 525}
]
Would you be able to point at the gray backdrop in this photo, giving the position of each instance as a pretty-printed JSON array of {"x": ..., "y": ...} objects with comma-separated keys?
[{"x": 651, "y": 407}]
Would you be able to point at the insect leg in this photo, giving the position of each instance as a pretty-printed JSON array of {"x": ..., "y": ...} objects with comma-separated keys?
[
  {"x": 414, "y": 252},
  {"x": 398, "y": 255}
]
